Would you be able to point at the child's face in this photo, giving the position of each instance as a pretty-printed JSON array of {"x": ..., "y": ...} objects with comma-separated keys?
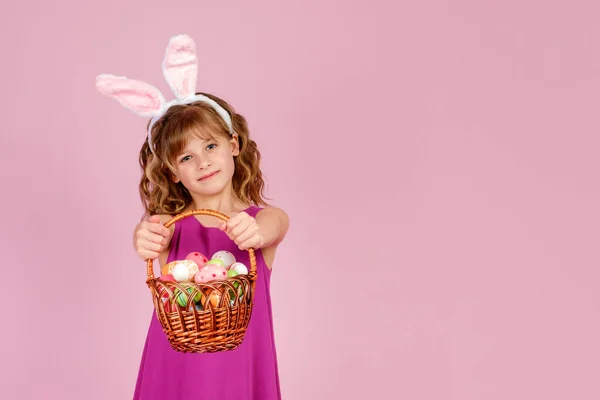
[{"x": 205, "y": 166}]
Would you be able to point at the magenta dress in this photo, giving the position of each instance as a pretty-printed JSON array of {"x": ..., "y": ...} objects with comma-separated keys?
[{"x": 246, "y": 373}]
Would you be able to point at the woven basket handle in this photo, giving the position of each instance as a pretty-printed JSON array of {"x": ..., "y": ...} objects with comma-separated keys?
[{"x": 213, "y": 213}]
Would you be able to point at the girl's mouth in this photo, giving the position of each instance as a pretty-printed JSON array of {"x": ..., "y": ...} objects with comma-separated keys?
[{"x": 206, "y": 177}]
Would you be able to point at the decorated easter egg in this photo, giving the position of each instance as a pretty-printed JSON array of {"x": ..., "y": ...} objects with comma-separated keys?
[
  {"x": 214, "y": 298},
  {"x": 182, "y": 298},
  {"x": 210, "y": 272},
  {"x": 168, "y": 268},
  {"x": 199, "y": 258},
  {"x": 164, "y": 292},
  {"x": 215, "y": 261},
  {"x": 168, "y": 305},
  {"x": 162, "y": 288},
  {"x": 183, "y": 270},
  {"x": 236, "y": 284},
  {"x": 240, "y": 268},
  {"x": 227, "y": 257}
]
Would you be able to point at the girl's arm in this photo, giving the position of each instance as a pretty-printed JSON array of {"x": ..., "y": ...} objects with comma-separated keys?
[{"x": 273, "y": 224}]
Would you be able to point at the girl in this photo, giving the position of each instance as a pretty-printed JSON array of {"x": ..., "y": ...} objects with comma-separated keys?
[
  {"x": 199, "y": 155},
  {"x": 205, "y": 167}
]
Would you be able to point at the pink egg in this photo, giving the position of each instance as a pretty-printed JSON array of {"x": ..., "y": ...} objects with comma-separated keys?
[
  {"x": 198, "y": 258},
  {"x": 209, "y": 273},
  {"x": 167, "y": 278}
]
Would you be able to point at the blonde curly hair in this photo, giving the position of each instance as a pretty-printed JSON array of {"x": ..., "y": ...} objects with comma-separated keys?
[{"x": 158, "y": 192}]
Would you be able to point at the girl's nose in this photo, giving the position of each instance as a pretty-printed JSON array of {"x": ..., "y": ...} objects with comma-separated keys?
[{"x": 204, "y": 163}]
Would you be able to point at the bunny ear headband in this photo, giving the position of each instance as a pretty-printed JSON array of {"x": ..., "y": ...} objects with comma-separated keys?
[{"x": 180, "y": 68}]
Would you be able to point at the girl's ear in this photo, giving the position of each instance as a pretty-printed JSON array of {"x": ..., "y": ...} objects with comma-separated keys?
[{"x": 235, "y": 145}]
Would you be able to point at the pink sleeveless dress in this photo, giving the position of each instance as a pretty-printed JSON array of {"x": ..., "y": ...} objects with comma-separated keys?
[{"x": 246, "y": 373}]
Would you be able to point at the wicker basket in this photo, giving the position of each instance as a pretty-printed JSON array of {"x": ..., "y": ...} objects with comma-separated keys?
[{"x": 204, "y": 317}]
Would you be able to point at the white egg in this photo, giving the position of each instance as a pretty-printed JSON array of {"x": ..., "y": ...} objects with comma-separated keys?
[
  {"x": 184, "y": 271},
  {"x": 227, "y": 257},
  {"x": 239, "y": 268}
]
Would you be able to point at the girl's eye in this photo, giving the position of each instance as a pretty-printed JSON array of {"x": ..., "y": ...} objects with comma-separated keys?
[
  {"x": 211, "y": 146},
  {"x": 185, "y": 158}
]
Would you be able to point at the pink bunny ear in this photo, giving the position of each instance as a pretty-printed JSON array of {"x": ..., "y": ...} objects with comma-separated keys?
[
  {"x": 140, "y": 97},
  {"x": 180, "y": 66}
]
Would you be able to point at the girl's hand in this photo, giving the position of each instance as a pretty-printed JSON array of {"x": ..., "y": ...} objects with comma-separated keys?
[
  {"x": 151, "y": 238},
  {"x": 243, "y": 230}
]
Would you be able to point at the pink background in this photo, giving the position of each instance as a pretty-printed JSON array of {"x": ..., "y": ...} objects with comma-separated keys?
[{"x": 439, "y": 162}]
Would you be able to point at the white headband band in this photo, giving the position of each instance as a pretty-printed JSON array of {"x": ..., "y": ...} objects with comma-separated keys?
[
  {"x": 188, "y": 100},
  {"x": 180, "y": 69}
]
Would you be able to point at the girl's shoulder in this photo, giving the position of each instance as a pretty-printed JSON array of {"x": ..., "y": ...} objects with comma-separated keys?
[{"x": 271, "y": 210}]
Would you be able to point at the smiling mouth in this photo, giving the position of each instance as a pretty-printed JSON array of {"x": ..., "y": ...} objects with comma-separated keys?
[{"x": 206, "y": 177}]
